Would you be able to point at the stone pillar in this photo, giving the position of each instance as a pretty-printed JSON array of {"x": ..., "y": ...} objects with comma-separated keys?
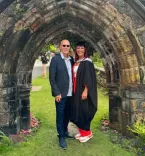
[
  {"x": 114, "y": 107},
  {"x": 9, "y": 104},
  {"x": 133, "y": 104},
  {"x": 24, "y": 87}
]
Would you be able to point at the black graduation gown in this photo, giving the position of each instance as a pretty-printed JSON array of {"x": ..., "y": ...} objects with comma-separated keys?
[{"x": 83, "y": 111}]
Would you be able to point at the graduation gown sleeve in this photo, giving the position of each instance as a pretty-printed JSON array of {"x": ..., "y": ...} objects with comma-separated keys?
[{"x": 89, "y": 79}]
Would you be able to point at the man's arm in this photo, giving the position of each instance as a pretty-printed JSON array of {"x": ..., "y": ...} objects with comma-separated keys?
[{"x": 52, "y": 75}]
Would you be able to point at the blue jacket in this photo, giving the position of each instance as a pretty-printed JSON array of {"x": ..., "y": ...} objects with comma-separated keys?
[{"x": 58, "y": 76}]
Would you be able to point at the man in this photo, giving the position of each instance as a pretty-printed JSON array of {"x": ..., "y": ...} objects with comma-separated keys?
[{"x": 60, "y": 76}]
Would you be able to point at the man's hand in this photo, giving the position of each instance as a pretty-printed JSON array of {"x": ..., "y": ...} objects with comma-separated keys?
[{"x": 58, "y": 98}]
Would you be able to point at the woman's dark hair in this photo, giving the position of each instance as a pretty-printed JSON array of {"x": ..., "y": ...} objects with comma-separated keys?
[{"x": 85, "y": 53}]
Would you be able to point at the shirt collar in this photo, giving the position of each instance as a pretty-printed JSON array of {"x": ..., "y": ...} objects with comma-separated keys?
[{"x": 64, "y": 57}]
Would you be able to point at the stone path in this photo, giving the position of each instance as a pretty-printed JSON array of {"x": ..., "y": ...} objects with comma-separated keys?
[
  {"x": 72, "y": 128},
  {"x": 36, "y": 88}
]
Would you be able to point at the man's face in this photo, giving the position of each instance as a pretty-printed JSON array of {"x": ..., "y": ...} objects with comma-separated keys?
[{"x": 65, "y": 47}]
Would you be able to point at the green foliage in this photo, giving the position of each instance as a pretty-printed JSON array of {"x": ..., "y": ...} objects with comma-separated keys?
[
  {"x": 134, "y": 145},
  {"x": 105, "y": 116},
  {"x": 49, "y": 47},
  {"x": 104, "y": 90},
  {"x": 1, "y": 34},
  {"x": 96, "y": 60},
  {"x": 139, "y": 127},
  {"x": 4, "y": 140}
]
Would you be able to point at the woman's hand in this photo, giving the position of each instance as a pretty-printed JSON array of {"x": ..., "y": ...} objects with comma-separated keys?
[{"x": 84, "y": 94}]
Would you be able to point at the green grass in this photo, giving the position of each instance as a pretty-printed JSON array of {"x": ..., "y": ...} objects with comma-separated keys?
[{"x": 45, "y": 141}]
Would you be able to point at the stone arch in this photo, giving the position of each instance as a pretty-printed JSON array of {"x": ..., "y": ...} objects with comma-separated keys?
[{"x": 109, "y": 26}]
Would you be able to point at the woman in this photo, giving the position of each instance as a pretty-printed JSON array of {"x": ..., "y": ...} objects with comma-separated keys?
[
  {"x": 84, "y": 104},
  {"x": 44, "y": 61}
]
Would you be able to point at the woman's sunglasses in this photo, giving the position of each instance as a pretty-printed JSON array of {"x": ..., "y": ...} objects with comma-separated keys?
[{"x": 66, "y": 45}]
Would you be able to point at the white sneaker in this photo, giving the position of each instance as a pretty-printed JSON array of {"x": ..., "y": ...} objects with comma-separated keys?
[
  {"x": 77, "y": 136},
  {"x": 86, "y": 138}
]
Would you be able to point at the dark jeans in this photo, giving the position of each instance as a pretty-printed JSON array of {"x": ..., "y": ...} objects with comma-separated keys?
[{"x": 63, "y": 112}]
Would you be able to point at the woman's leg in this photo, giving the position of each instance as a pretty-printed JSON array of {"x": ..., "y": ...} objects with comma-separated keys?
[
  {"x": 85, "y": 135},
  {"x": 84, "y": 132},
  {"x": 44, "y": 70}
]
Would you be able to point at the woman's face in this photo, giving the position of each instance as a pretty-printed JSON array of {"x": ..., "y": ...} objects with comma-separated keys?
[{"x": 80, "y": 51}]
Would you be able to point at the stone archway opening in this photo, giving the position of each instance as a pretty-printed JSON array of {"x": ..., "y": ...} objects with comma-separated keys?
[{"x": 112, "y": 28}]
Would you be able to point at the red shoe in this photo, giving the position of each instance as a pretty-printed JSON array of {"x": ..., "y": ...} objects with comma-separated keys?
[
  {"x": 77, "y": 136},
  {"x": 85, "y": 138}
]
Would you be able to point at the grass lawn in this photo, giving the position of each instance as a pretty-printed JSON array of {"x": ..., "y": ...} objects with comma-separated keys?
[{"x": 45, "y": 141}]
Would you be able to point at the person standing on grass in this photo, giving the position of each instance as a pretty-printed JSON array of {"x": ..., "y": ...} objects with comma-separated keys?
[
  {"x": 60, "y": 77},
  {"x": 44, "y": 61},
  {"x": 84, "y": 105}
]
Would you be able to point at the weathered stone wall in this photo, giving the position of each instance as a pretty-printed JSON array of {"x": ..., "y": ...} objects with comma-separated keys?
[
  {"x": 101, "y": 77},
  {"x": 9, "y": 104}
]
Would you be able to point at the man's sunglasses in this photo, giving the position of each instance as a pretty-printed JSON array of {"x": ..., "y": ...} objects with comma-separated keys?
[{"x": 66, "y": 45}]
